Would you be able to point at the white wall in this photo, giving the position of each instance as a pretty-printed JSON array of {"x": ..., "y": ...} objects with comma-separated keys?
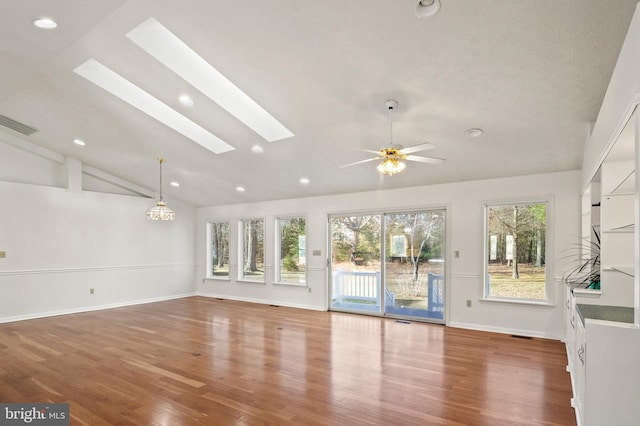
[
  {"x": 61, "y": 243},
  {"x": 464, "y": 202}
]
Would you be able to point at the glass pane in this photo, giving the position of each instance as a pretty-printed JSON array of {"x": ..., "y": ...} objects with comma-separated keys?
[
  {"x": 252, "y": 249},
  {"x": 219, "y": 261},
  {"x": 292, "y": 261},
  {"x": 516, "y": 241},
  {"x": 355, "y": 263},
  {"x": 414, "y": 266}
]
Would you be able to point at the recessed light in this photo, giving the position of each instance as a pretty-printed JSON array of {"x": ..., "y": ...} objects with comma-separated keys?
[
  {"x": 176, "y": 184},
  {"x": 427, "y": 8},
  {"x": 79, "y": 142},
  {"x": 304, "y": 181},
  {"x": 122, "y": 88},
  {"x": 239, "y": 189},
  {"x": 473, "y": 133},
  {"x": 167, "y": 48},
  {"x": 257, "y": 149},
  {"x": 186, "y": 100},
  {"x": 45, "y": 23}
]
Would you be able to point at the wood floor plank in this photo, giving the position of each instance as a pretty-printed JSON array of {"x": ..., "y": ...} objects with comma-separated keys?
[{"x": 216, "y": 362}]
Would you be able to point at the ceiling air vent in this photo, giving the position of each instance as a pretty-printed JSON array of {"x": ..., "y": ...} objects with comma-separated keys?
[{"x": 17, "y": 126}]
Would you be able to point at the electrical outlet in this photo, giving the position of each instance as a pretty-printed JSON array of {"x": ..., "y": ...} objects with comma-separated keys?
[
  {"x": 91, "y": 291},
  {"x": 309, "y": 289},
  {"x": 456, "y": 254},
  {"x": 468, "y": 303}
]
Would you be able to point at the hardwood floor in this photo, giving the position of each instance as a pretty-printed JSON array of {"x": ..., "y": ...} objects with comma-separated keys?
[{"x": 217, "y": 362}]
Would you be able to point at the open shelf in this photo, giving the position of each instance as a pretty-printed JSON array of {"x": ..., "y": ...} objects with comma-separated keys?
[
  {"x": 627, "y": 270},
  {"x": 622, "y": 228},
  {"x": 626, "y": 186}
]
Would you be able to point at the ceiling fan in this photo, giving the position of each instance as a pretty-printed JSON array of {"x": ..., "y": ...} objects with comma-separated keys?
[{"x": 392, "y": 156}]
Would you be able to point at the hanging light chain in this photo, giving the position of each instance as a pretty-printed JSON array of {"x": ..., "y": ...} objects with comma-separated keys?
[{"x": 161, "y": 160}]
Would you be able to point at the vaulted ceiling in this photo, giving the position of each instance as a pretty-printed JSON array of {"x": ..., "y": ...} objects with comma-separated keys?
[{"x": 531, "y": 74}]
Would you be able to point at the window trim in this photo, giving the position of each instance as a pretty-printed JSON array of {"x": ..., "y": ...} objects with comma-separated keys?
[
  {"x": 241, "y": 276},
  {"x": 277, "y": 273},
  {"x": 549, "y": 257},
  {"x": 209, "y": 263}
]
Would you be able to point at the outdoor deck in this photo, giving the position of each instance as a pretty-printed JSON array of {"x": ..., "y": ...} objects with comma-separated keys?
[{"x": 359, "y": 291}]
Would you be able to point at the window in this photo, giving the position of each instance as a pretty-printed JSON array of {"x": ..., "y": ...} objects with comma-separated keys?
[
  {"x": 515, "y": 238},
  {"x": 252, "y": 247},
  {"x": 218, "y": 259},
  {"x": 291, "y": 250}
]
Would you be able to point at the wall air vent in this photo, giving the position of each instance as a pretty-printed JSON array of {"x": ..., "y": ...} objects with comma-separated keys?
[{"x": 17, "y": 126}]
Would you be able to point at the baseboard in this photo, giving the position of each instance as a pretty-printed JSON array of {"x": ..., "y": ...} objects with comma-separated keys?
[
  {"x": 93, "y": 308},
  {"x": 512, "y": 331},
  {"x": 263, "y": 302}
]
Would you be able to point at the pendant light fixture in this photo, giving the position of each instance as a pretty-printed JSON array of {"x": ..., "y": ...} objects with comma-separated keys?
[{"x": 160, "y": 211}]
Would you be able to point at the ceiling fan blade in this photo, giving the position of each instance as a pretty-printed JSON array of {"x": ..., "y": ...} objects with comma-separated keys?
[
  {"x": 368, "y": 150},
  {"x": 358, "y": 162},
  {"x": 416, "y": 148},
  {"x": 429, "y": 160}
]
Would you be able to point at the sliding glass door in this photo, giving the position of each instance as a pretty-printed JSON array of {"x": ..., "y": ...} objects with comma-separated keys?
[
  {"x": 414, "y": 264},
  {"x": 355, "y": 263},
  {"x": 389, "y": 264}
]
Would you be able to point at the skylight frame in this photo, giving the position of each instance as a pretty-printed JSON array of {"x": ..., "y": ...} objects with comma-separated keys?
[
  {"x": 168, "y": 49},
  {"x": 114, "y": 83}
]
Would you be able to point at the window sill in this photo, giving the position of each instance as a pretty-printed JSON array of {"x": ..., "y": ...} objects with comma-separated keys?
[
  {"x": 290, "y": 284},
  {"x": 217, "y": 278},
  {"x": 542, "y": 303},
  {"x": 250, "y": 281}
]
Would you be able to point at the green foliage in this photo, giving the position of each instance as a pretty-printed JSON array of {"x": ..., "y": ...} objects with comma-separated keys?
[
  {"x": 356, "y": 238},
  {"x": 587, "y": 256},
  {"x": 290, "y": 231},
  {"x": 526, "y": 222},
  {"x": 289, "y": 264}
]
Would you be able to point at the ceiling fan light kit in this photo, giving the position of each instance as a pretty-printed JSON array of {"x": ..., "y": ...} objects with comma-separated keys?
[{"x": 390, "y": 166}]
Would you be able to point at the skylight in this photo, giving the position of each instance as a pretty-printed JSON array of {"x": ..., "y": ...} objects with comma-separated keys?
[
  {"x": 118, "y": 86},
  {"x": 172, "y": 52}
]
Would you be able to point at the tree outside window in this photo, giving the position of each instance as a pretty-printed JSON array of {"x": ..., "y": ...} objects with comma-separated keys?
[
  {"x": 291, "y": 250},
  {"x": 516, "y": 251},
  {"x": 218, "y": 262},
  {"x": 252, "y": 238}
]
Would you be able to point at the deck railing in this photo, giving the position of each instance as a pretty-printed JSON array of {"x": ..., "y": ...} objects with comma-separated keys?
[
  {"x": 362, "y": 287},
  {"x": 356, "y": 285}
]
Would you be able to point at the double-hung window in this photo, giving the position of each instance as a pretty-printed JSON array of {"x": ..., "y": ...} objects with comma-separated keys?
[
  {"x": 291, "y": 250},
  {"x": 516, "y": 251},
  {"x": 218, "y": 250},
  {"x": 251, "y": 240}
]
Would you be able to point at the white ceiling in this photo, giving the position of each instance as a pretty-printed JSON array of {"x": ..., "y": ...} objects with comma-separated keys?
[{"x": 532, "y": 74}]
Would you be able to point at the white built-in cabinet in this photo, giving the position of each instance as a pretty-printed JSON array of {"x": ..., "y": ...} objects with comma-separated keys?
[
  {"x": 603, "y": 337},
  {"x": 603, "y": 326}
]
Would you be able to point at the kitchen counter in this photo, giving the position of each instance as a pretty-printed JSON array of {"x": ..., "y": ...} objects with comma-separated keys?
[{"x": 606, "y": 313}]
